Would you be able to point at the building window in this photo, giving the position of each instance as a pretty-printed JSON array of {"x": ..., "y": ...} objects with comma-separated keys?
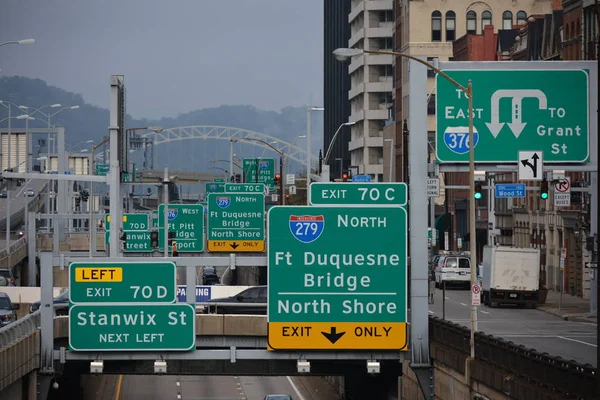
[
  {"x": 436, "y": 26},
  {"x": 386, "y": 16},
  {"x": 506, "y": 20},
  {"x": 472, "y": 22},
  {"x": 433, "y": 61},
  {"x": 521, "y": 17},
  {"x": 450, "y": 26},
  {"x": 431, "y": 105},
  {"x": 486, "y": 19},
  {"x": 386, "y": 43}
]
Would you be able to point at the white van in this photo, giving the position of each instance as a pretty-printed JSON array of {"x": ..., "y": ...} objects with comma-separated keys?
[{"x": 453, "y": 269}]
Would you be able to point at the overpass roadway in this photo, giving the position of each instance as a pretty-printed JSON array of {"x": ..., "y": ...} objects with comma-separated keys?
[
  {"x": 531, "y": 328},
  {"x": 18, "y": 200}
]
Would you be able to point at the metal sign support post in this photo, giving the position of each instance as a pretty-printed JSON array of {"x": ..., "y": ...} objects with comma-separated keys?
[
  {"x": 46, "y": 371},
  {"x": 115, "y": 172},
  {"x": 166, "y": 212},
  {"x": 419, "y": 280}
]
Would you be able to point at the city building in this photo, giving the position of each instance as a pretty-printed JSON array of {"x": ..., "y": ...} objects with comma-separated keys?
[
  {"x": 429, "y": 29},
  {"x": 336, "y": 83},
  {"x": 371, "y": 83}
]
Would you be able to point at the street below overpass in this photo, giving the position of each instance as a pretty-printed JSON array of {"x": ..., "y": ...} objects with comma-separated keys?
[
  {"x": 187, "y": 387},
  {"x": 531, "y": 328}
]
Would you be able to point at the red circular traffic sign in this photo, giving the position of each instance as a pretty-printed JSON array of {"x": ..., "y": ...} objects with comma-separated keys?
[
  {"x": 476, "y": 289},
  {"x": 563, "y": 185}
]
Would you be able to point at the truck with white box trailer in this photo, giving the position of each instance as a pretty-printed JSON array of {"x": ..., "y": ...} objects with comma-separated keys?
[{"x": 511, "y": 275}]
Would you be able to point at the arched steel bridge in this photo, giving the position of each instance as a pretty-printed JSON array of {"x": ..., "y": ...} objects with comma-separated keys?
[{"x": 289, "y": 150}]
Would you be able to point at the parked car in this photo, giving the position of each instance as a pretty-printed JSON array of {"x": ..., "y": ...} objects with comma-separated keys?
[
  {"x": 453, "y": 269},
  {"x": 253, "y": 295},
  {"x": 29, "y": 192},
  {"x": 209, "y": 276},
  {"x": 6, "y": 277},
  {"x": 61, "y": 304},
  {"x": 3, "y": 194},
  {"x": 8, "y": 313}
]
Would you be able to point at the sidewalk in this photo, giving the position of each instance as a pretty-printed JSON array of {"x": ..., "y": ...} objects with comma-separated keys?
[{"x": 571, "y": 308}]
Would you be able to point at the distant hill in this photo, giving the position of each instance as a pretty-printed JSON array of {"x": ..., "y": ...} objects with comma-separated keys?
[{"x": 91, "y": 123}]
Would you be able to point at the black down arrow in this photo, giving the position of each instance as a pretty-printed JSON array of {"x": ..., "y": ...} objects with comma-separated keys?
[
  {"x": 234, "y": 245},
  {"x": 332, "y": 335}
]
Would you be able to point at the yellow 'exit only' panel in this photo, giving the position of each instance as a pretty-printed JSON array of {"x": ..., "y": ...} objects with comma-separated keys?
[
  {"x": 99, "y": 274},
  {"x": 337, "y": 336},
  {"x": 236, "y": 246}
]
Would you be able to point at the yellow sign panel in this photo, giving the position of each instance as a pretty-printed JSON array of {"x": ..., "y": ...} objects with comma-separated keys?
[
  {"x": 236, "y": 246},
  {"x": 338, "y": 336},
  {"x": 99, "y": 274}
]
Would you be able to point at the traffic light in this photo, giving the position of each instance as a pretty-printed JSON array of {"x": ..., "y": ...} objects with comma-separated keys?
[
  {"x": 277, "y": 179},
  {"x": 345, "y": 177},
  {"x": 287, "y": 196},
  {"x": 154, "y": 239},
  {"x": 172, "y": 236},
  {"x": 478, "y": 194},
  {"x": 544, "y": 189}
]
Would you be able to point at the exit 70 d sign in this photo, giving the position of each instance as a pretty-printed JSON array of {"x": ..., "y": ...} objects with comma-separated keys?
[{"x": 514, "y": 110}]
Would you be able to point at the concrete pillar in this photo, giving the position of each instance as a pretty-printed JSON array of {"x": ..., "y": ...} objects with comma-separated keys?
[{"x": 32, "y": 386}]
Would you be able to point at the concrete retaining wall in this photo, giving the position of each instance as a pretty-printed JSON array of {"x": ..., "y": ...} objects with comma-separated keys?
[{"x": 449, "y": 385}]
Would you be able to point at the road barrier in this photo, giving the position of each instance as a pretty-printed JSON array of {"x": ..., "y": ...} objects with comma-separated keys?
[{"x": 566, "y": 378}]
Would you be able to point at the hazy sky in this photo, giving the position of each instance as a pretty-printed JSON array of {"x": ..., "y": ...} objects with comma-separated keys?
[{"x": 176, "y": 55}]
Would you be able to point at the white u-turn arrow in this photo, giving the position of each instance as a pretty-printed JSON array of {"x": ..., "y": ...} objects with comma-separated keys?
[{"x": 516, "y": 125}]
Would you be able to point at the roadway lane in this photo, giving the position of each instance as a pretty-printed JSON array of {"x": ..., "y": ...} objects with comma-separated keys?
[
  {"x": 529, "y": 327},
  {"x": 18, "y": 198},
  {"x": 147, "y": 387}
]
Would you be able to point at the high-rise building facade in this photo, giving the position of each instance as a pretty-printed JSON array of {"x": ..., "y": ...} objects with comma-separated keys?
[
  {"x": 336, "y": 84},
  {"x": 371, "y": 83}
]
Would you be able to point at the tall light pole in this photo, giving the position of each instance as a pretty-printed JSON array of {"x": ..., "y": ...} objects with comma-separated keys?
[
  {"x": 344, "y": 54},
  {"x": 328, "y": 152},
  {"x": 92, "y": 205},
  {"x": 292, "y": 145},
  {"x": 309, "y": 109},
  {"x": 49, "y": 118},
  {"x": 391, "y": 141},
  {"x": 19, "y": 42}
]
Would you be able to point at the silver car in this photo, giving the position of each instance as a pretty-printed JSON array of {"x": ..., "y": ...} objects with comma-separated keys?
[
  {"x": 7, "y": 310},
  {"x": 29, "y": 192}
]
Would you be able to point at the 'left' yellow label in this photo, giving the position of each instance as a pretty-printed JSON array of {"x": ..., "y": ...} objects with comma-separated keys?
[{"x": 107, "y": 274}]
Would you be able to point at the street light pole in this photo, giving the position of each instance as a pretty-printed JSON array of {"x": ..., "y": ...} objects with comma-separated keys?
[
  {"x": 308, "y": 148},
  {"x": 328, "y": 152},
  {"x": 391, "y": 141},
  {"x": 344, "y": 54}
]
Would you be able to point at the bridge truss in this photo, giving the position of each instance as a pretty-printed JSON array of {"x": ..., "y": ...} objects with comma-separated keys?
[{"x": 203, "y": 132}]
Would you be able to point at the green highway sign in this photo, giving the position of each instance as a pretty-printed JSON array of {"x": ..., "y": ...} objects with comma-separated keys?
[
  {"x": 127, "y": 282},
  {"x": 165, "y": 327},
  {"x": 215, "y": 187},
  {"x": 358, "y": 194},
  {"x": 102, "y": 169},
  {"x": 244, "y": 188},
  {"x": 131, "y": 222},
  {"x": 136, "y": 231},
  {"x": 337, "y": 278},
  {"x": 236, "y": 222},
  {"x": 514, "y": 110},
  {"x": 264, "y": 168},
  {"x": 187, "y": 221},
  {"x": 137, "y": 242},
  {"x": 219, "y": 180}
]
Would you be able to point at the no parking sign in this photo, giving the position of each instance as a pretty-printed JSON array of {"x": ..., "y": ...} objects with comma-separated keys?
[{"x": 476, "y": 295}]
